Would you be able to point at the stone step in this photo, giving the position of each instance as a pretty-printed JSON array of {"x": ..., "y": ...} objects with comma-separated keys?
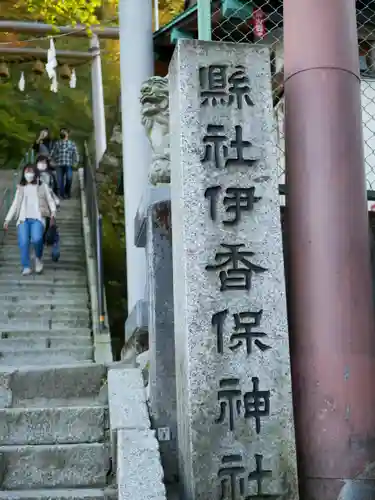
[
  {"x": 30, "y": 303},
  {"x": 66, "y": 248},
  {"x": 55, "y": 314},
  {"x": 65, "y": 494},
  {"x": 44, "y": 306},
  {"x": 49, "y": 466},
  {"x": 12, "y": 274},
  {"x": 46, "y": 302},
  {"x": 44, "y": 342},
  {"x": 70, "y": 244},
  {"x": 65, "y": 231},
  {"x": 63, "y": 227},
  {"x": 69, "y": 224},
  {"x": 50, "y": 278},
  {"x": 40, "y": 323},
  {"x": 21, "y": 426},
  {"x": 26, "y": 387},
  {"x": 52, "y": 357},
  {"x": 27, "y": 282},
  {"x": 66, "y": 239},
  {"x": 49, "y": 265},
  {"x": 46, "y": 333},
  {"x": 65, "y": 260},
  {"x": 11, "y": 240},
  {"x": 63, "y": 220},
  {"x": 12, "y": 270},
  {"x": 13, "y": 253},
  {"x": 48, "y": 293},
  {"x": 60, "y": 275}
]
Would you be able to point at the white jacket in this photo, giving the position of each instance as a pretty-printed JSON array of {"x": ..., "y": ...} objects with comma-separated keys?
[{"x": 45, "y": 205}]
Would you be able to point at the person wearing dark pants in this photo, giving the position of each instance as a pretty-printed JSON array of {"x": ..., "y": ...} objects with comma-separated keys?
[
  {"x": 65, "y": 176},
  {"x": 65, "y": 155}
]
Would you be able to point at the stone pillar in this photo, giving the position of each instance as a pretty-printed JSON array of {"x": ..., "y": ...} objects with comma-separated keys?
[
  {"x": 234, "y": 397},
  {"x": 162, "y": 378},
  {"x": 154, "y": 232},
  {"x": 137, "y": 64},
  {"x": 98, "y": 110}
]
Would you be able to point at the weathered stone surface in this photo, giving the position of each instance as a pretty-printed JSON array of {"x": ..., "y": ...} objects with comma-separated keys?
[
  {"x": 162, "y": 372},
  {"x": 66, "y": 494},
  {"x": 52, "y": 425},
  {"x": 52, "y": 342},
  {"x": 65, "y": 383},
  {"x": 138, "y": 457},
  {"x": 127, "y": 399},
  {"x": 6, "y": 395},
  {"x": 45, "y": 312},
  {"x": 155, "y": 119},
  {"x": 46, "y": 333},
  {"x": 224, "y": 354},
  {"x": 136, "y": 324},
  {"x": 57, "y": 356},
  {"x": 48, "y": 466}
]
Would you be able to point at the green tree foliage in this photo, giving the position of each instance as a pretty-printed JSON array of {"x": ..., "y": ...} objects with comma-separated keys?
[
  {"x": 89, "y": 12},
  {"x": 73, "y": 11},
  {"x": 22, "y": 114}
]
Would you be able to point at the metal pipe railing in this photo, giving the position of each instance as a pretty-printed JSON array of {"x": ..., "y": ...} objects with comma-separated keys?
[
  {"x": 100, "y": 271},
  {"x": 10, "y": 26},
  {"x": 96, "y": 233},
  {"x": 4, "y": 207}
]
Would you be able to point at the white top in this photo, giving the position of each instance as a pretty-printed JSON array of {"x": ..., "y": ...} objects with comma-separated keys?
[{"x": 30, "y": 205}]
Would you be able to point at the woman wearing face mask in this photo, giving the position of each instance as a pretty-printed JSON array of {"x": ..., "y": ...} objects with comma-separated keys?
[
  {"x": 46, "y": 173},
  {"x": 31, "y": 205},
  {"x": 47, "y": 177}
]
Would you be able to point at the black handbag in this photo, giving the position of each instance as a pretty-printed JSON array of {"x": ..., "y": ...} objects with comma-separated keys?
[{"x": 51, "y": 235}]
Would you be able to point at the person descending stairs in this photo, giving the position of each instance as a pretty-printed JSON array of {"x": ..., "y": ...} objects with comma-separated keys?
[{"x": 53, "y": 400}]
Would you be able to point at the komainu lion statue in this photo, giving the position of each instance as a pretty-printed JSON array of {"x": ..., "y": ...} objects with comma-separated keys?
[{"x": 155, "y": 119}]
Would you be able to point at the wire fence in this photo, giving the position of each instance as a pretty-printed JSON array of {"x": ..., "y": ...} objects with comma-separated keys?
[
  {"x": 366, "y": 42},
  {"x": 261, "y": 21},
  {"x": 256, "y": 22}
]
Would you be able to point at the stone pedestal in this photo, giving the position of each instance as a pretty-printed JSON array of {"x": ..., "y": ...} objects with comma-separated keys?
[
  {"x": 234, "y": 398},
  {"x": 161, "y": 333}
]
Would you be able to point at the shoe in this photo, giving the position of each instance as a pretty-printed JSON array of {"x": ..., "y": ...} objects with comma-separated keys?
[
  {"x": 55, "y": 257},
  {"x": 26, "y": 271},
  {"x": 38, "y": 266}
]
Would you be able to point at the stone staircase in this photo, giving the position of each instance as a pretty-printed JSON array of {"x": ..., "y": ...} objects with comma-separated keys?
[{"x": 53, "y": 397}]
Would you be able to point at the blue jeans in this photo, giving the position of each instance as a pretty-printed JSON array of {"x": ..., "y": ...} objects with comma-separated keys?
[
  {"x": 65, "y": 176},
  {"x": 30, "y": 231}
]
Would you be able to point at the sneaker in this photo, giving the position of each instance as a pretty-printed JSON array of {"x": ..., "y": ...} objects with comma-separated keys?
[
  {"x": 26, "y": 271},
  {"x": 38, "y": 266}
]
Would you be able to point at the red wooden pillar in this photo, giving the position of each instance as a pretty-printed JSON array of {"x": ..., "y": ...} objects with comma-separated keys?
[{"x": 332, "y": 322}]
